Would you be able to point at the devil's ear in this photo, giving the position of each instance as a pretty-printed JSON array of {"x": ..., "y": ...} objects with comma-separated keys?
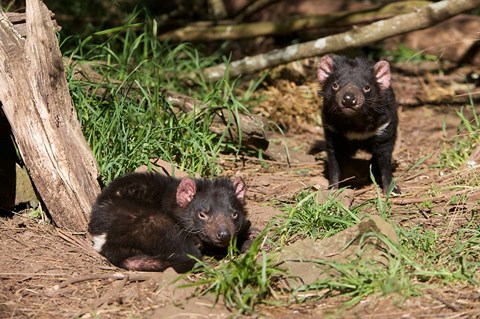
[
  {"x": 382, "y": 74},
  {"x": 186, "y": 190},
  {"x": 240, "y": 188},
  {"x": 325, "y": 68}
]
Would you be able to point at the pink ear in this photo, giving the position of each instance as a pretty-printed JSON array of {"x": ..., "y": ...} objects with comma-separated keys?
[
  {"x": 240, "y": 188},
  {"x": 382, "y": 73},
  {"x": 325, "y": 68},
  {"x": 186, "y": 191}
]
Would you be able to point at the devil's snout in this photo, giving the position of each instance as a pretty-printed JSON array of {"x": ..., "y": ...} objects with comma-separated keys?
[
  {"x": 349, "y": 100},
  {"x": 350, "y": 96},
  {"x": 224, "y": 235}
]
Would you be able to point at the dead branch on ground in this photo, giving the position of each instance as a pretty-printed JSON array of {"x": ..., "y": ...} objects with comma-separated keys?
[{"x": 130, "y": 276}]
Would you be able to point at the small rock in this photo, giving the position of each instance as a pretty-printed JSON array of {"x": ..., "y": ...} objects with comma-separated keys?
[
  {"x": 346, "y": 245},
  {"x": 344, "y": 196}
]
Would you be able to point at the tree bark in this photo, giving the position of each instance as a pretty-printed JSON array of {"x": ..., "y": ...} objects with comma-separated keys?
[
  {"x": 35, "y": 98},
  {"x": 18, "y": 19},
  {"x": 420, "y": 19},
  {"x": 210, "y": 32}
]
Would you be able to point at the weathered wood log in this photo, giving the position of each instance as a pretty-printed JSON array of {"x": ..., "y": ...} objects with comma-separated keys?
[
  {"x": 19, "y": 21},
  {"x": 35, "y": 98}
]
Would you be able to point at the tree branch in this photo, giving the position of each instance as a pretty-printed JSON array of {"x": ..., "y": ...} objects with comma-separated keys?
[
  {"x": 420, "y": 19},
  {"x": 252, "y": 8},
  {"x": 209, "y": 32}
]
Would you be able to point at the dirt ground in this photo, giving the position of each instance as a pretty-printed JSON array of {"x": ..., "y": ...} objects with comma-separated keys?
[{"x": 47, "y": 272}]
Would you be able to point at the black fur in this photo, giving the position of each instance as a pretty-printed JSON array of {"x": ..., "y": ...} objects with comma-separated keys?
[
  {"x": 146, "y": 229},
  {"x": 355, "y": 106}
]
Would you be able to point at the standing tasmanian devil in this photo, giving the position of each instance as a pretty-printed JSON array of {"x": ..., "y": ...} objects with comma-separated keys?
[
  {"x": 359, "y": 112},
  {"x": 149, "y": 222}
]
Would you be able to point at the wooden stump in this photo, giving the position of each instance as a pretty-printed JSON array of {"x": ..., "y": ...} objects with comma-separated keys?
[{"x": 36, "y": 100}]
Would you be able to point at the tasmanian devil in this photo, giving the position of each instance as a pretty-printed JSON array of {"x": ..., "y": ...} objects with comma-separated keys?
[
  {"x": 149, "y": 222},
  {"x": 359, "y": 112}
]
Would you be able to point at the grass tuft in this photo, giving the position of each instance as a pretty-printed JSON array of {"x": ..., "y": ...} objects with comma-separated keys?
[
  {"x": 457, "y": 149},
  {"x": 308, "y": 218},
  {"x": 242, "y": 281}
]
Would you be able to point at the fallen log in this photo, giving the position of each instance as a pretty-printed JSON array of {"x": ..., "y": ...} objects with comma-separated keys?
[{"x": 36, "y": 101}]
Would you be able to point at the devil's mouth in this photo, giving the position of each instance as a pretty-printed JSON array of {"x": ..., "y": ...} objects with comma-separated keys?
[
  {"x": 215, "y": 242},
  {"x": 349, "y": 111}
]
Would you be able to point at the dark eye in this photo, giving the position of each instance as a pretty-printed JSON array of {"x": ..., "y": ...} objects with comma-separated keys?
[
  {"x": 203, "y": 215},
  {"x": 335, "y": 86},
  {"x": 366, "y": 88},
  {"x": 234, "y": 215}
]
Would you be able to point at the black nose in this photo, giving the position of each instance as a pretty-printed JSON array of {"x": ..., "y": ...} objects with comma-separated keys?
[
  {"x": 223, "y": 235},
  {"x": 349, "y": 100}
]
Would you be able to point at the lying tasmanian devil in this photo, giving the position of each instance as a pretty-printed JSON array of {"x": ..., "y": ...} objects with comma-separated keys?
[
  {"x": 149, "y": 222},
  {"x": 359, "y": 112}
]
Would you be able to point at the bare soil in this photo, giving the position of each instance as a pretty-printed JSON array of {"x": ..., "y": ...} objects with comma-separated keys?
[{"x": 47, "y": 272}]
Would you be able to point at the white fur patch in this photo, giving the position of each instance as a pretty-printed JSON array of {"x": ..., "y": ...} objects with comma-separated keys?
[
  {"x": 99, "y": 241},
  {"x": 365, "y": 135}
]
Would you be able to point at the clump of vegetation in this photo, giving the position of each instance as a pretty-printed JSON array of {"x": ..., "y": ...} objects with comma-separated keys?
[
  {"x": 358, "y": 279},
  {"x": 317, "y": 221},
  {"x": 405, "y": 54},
  {"x": 124, "y": 110},
  {"x": 242, "y": 281},
  {"x": 457, "y": 149},
  {"x": 417, "y": 262},
  {"x": 414, "y": 265}
]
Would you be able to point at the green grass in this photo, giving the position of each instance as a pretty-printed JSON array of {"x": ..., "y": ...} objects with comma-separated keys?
[
  {"x": 423, "y": 259},
  {"x": 441, "y": 259},
  {"x": 125, "y": 114},
  {"x": 458, "y": 148},
  {"x": 310, "y": 219},
  {"x": 418, "y": 263},
  {"x": 405, "y": 54},
  {"x": 128, "y": 120},
  {"x": 242, "y": 281},
  {"x": 358, "y": 279}
]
